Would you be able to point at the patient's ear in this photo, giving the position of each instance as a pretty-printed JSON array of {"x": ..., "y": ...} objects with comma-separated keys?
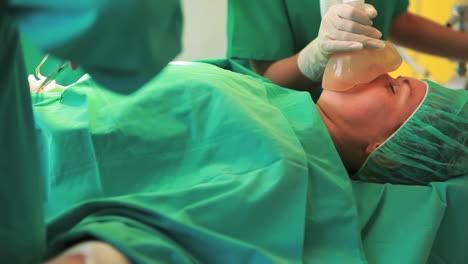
[{"x": 371, "y": 147}]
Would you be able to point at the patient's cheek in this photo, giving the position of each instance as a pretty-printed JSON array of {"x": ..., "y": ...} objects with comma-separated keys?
[{"x": 346, "y": 69}]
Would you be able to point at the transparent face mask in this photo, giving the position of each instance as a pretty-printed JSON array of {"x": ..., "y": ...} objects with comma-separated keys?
[
  {"x": 347, "y": 69},
  {"x": 432, "y": 145}
]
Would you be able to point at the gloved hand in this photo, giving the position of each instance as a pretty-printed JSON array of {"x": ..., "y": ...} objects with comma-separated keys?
[
  {"x": 343, "y": 28},
  {"x": 35, "y": 83}
]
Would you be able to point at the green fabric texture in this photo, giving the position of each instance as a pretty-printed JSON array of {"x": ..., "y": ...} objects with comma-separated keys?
[
  {"x": 275, "y": 29},
  {"x": 414, "y": 224},
  {"x": 257, "y": 183},
  {"x": 22, "y": 229},
  {"x": 201, "y": 165},
  {"x": 432, "y": 145}
]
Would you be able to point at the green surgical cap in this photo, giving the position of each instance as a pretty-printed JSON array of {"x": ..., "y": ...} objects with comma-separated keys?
[{"x": 432, "y": 145}]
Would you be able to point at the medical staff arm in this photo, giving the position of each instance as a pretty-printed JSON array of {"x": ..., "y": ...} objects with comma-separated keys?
[
  {"x": 285, "y": 73},
  {"x": 343, "y": 28},
  {"x": 421, "y": 34}
]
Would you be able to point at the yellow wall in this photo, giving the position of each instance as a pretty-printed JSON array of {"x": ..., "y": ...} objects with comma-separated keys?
[{"x": 441, "y": 69}]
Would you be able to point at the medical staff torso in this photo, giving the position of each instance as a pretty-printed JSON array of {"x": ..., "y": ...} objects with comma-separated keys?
[
  {"x": 21, "y": 223},
  {"x": 276, "y": 29}
]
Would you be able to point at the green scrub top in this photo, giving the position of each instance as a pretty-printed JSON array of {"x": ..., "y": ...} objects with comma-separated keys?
[
  {"x": 275, "y": 29},
  {"x": 121, "y": 43}
]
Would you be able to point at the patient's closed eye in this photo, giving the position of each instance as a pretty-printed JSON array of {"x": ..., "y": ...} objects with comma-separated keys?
[{"x": 392, "y": 88}]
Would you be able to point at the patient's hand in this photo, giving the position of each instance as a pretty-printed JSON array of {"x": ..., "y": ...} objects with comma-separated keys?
[{"x": 95, "y": 252}]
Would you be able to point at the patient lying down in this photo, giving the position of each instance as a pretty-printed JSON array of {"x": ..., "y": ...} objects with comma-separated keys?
[
  {"x": 212, "y": 135},
  {"x": 367, "y": 118},
  {"x": 399, "y": 130}
]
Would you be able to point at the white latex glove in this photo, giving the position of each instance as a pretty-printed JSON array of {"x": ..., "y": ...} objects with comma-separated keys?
[
  {"x": 35, "y": 83},
  {"x": 343, "y": 28},
  {"x": 91, "y": 252}
]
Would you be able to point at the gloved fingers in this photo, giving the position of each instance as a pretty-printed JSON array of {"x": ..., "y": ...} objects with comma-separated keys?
[
  {"x": 331, "y": 46},
  {"x": 34, "y": 84},
  {"x": 374, "y": 44},
  {"x": 350, "y": 12},
  {"x": 356, "y": 28},
  {"x": 348, "y": 36},
  {"x": 329, "y": 43},
  {"x": 370, "y": 10}
]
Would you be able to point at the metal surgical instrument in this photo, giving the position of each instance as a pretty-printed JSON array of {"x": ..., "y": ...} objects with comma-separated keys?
[{"x": 52, "y": 76}]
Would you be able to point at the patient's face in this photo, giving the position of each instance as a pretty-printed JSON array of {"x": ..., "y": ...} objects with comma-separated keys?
[{"x": 380, "y": 106}]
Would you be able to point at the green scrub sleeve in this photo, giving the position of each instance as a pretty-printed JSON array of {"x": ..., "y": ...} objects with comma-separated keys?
[
  {"x": 401, "y": 8},
  {"x": 251, "y": 33},
  {"x": 122, "y": 44}
]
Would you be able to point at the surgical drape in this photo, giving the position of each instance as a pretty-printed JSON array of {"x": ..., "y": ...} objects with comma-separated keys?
[
  {"x": 132, "y": 191},
  {"x": 202, "y": 165}
]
